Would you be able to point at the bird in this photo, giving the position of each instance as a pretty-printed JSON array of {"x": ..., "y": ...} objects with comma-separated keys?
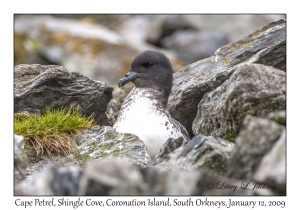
[{"x": 144, "y": 111}]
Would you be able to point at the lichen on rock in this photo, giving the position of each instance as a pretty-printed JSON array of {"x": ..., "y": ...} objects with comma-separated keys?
[
  {"x": 252, "y": 89},
  {"x": 103, "y": 143}
]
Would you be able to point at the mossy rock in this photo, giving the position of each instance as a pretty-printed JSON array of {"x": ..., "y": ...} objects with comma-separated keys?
[
  {"x": 104, "y": 143},
  {"x": 230, "y": 136}
]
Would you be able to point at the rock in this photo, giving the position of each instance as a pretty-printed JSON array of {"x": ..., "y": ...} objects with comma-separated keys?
[
  {"x": 252, "y": 89},
  {"x": 119, "y": 94},
  {"x": 112, "y": 178},
  {"x": 272, "y": 168},
  {"x": 37, "y": 87},
  {"x": 112, "y": 111},
  {"x": 253, "y": 142},
  {"x": 169, "y": 146},
  {"x": 53, "y": 181},
  {"x": 200, "y": 152},
  {"x": 266, "y": 46},
  {"x": 279, "y": 117},
  {"x": 20, "y": 159},
  {"x": 105, "y": 143},
  {"x": 191, "y": 46}
]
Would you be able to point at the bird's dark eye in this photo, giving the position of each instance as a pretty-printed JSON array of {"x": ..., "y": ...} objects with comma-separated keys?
[{"x": 149, "y": 64}]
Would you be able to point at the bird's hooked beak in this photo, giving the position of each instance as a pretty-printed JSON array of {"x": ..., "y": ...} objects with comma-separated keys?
[{"x": 128, "y": 77}]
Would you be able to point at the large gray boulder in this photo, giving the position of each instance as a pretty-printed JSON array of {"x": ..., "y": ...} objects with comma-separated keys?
[
  {"x": 37, "y": 87},
  {"x": 200, "y": 152},
  {"x": 105, "y": 143},
  {"x": 254, "y": 141},
  {"x": 252, "y": 89},
  {"x": 266, "y": 45}
]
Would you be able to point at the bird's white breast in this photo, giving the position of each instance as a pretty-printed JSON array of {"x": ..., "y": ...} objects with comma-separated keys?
[{"x": 141, "y": 115}]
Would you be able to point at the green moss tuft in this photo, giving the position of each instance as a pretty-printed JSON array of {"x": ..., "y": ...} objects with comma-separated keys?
[
  {"x": 54, "y": 130},
  {"x": 230, "y": 136}
]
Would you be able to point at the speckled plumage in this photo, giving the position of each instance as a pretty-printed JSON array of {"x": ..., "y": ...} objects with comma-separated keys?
[{"x": 144, "y": 111}]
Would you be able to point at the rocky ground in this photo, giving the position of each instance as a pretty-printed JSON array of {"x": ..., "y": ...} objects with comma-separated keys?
[{"x": 232, "y": 103}]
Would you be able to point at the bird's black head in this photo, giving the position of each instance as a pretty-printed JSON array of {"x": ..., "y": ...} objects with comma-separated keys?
[{"x": 150, "y": 69}]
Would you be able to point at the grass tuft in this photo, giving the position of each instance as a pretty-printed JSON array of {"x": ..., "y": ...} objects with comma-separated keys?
[{"x": 54, "y": 130}]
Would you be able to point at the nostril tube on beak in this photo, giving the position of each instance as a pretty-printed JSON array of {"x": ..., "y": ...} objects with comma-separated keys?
[{"x": 128, "y": 77}]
